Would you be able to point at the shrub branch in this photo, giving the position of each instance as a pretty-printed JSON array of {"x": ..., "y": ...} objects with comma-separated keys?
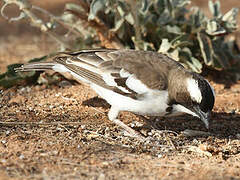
[{"x": 26, "y": 12}]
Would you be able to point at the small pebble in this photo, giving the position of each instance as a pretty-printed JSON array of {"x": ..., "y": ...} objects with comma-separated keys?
[
  {"x": 101, "y": 177},
  {"x": 3, "y": 160},
  {"x": 159, "y": 155},
  {"x": 21, "y": 156}
]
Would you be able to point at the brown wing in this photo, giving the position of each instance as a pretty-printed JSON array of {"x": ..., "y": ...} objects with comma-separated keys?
[
  {"x": 150, "y": 67},
  {"x": 104, "y": 66},
  {"x": 87, "y": 65}
]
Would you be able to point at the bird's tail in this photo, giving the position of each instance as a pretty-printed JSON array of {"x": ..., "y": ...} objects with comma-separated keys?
[{"x": 38, "y": 66}]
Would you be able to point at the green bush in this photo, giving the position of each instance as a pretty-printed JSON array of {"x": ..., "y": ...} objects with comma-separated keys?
[
  {"x": 167, "y": 26},
  {"x": 171, "y": 27}
]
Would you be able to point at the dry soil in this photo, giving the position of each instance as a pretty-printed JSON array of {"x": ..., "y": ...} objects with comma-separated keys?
[{"x": 61, "y": 131}]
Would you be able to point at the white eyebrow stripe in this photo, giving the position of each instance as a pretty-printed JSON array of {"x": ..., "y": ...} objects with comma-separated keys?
[{"x": 194, "y": 91}]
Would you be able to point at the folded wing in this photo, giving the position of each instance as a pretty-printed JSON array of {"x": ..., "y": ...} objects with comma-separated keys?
[{"x": 126, "y": 72}]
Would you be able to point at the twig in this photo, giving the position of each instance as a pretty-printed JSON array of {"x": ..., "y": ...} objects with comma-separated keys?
[
  {"x": 100, "y": 135},
  {"x": 199, "y": 151},
  {"x": 25, "y": 8},
  {"x": 2, "y": 123},
  {"x": 193, "y": 133},
  {"x": 58, "y": 20},
  {"x": 168, "y": 131},
  {"x": 177, "y": 166},
  {"x": 170, "y": 141},
  {"x": 101, "y": 29},
  {"x": 97, "y": 110},
  {"x": 134, "y": 9},
  {"x": 26, "y": 11}
]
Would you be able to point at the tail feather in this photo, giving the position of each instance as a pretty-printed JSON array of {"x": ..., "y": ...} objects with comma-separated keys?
[{"x": 40, "y": 66}]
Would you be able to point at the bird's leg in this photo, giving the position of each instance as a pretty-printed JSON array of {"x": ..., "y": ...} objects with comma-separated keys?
[{"x": 113, "y": 114}]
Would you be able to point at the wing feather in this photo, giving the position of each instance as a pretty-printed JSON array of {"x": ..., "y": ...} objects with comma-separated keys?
[{"x": 123, "y": 71}]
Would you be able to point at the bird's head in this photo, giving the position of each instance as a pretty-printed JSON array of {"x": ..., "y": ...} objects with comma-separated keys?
[{"x": 194, "y": 95}]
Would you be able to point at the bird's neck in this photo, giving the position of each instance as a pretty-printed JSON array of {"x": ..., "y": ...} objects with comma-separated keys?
[{"x": 177, "y": 87}]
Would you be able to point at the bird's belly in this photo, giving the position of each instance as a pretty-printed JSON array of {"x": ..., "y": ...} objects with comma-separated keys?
[{"x": 152, "y": 104}]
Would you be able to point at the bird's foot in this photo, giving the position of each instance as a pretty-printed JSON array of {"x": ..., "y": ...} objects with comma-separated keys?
[{"x": 130, "y": 132}]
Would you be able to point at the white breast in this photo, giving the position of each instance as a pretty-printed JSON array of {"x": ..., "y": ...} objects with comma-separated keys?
[{"x": 152, "y": 103}]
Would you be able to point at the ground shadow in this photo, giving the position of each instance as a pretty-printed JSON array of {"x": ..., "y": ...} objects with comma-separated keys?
[
  {"x": 222, "y": 125},
  {"x": 96, "y": 102}
]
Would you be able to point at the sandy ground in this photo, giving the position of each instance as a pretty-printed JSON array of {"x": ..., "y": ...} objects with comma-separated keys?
[{"x": 62, "y": 131}]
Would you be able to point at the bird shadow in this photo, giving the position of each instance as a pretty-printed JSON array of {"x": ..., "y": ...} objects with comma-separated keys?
[
  {"x": 222, "y": 124},
  {"x": 96, "y": 102}
]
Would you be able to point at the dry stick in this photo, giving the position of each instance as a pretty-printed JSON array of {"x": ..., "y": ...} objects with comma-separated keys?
[
  {"x": 58, "y": 20},
  {"x": 25, "y": 7},
  {"x": 134, "y": 8},
  {"x": 193, "y": 133},
  {"x": 199, "y": 151},
  {"x": 38, "y": 123},
  {"x": 101, "y": 29}
]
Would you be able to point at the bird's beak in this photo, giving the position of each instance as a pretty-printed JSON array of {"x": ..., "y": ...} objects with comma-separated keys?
[{"x": 204, "y": 116}]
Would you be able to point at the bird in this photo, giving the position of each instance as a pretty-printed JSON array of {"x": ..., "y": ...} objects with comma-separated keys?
[{"x": 145, "y": 83}]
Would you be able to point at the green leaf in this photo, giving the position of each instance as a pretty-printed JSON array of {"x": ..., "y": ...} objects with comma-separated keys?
[
  {"x": 165, "y": 46},
  {"x": 196, "y": 64},
  {"x": 192, "y": 62},
  {"x": 164, "y": 18},
  {"x": 214, "y": 28},
  {"x": 179, "y": 3},
  {"x": 220, "y": 55},
  {"x": 205, "y": 47},
  {"x": 165, "y": 25},
  {"x": 75, "y": 7},
  {"x": 230, "y": 19},
  {"x": 142, "y": 45},
  {"x": 95, "y": 7},
  {"x": 43, "y": 58},
  {"x": 192, "y": 65},
  {"x": 197, "y": 17},
  {"x": 181, "y": 41},
  {"x": 174, "y": 54},
  {"x": 215, "y": 8},
  {"x": 129, "y": 18},
  {"x": 121, "y": 11},
  {"x": 146, "y": 4},
  {"x": 219, "y": 61},
  {"x": 173, "y": 29},
  {"x": 231, "y": 15},
  {"x": 118, "y": 25},
  {"x": 12, "y": 78},
  {"x": 160, "y": 6}
]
